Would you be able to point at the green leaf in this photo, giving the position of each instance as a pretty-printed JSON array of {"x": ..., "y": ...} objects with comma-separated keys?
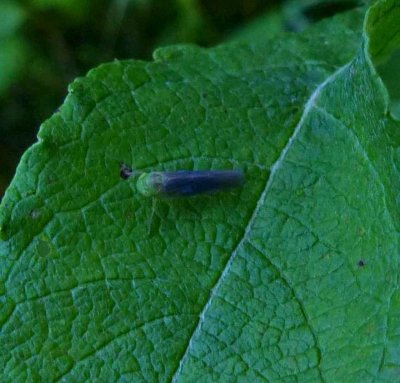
[
  {"x": 264, "y": 27},
  {"x": 293, "y": 16},
  {"x": 293, "y": 278}
]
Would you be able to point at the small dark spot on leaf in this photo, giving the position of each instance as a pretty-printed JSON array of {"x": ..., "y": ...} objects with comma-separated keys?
[
  {"x": 124, "y": 171},
  {"x": 361, "y": 263},
  {"x": 225, "y": 110},
  {"x": 205, "y": 94}
]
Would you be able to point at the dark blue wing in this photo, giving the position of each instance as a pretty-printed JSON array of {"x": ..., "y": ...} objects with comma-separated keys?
[{"x": 189, "y": 183}]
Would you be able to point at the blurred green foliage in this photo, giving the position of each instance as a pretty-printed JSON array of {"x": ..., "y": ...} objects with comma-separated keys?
[{"x": 45, "y": 44}]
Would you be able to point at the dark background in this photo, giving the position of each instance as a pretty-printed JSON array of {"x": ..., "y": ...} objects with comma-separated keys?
[{"x": 46, "y": 44}]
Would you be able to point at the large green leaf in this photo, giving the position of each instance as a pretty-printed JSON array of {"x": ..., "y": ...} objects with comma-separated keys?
[{"x": 293, "y": 278}]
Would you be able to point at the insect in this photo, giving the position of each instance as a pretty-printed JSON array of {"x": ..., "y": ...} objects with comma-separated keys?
[{"x": 185, "y": 183}]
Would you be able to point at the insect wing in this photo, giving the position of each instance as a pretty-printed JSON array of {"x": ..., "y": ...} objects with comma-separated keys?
[{"x": 189, "y": 183}]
